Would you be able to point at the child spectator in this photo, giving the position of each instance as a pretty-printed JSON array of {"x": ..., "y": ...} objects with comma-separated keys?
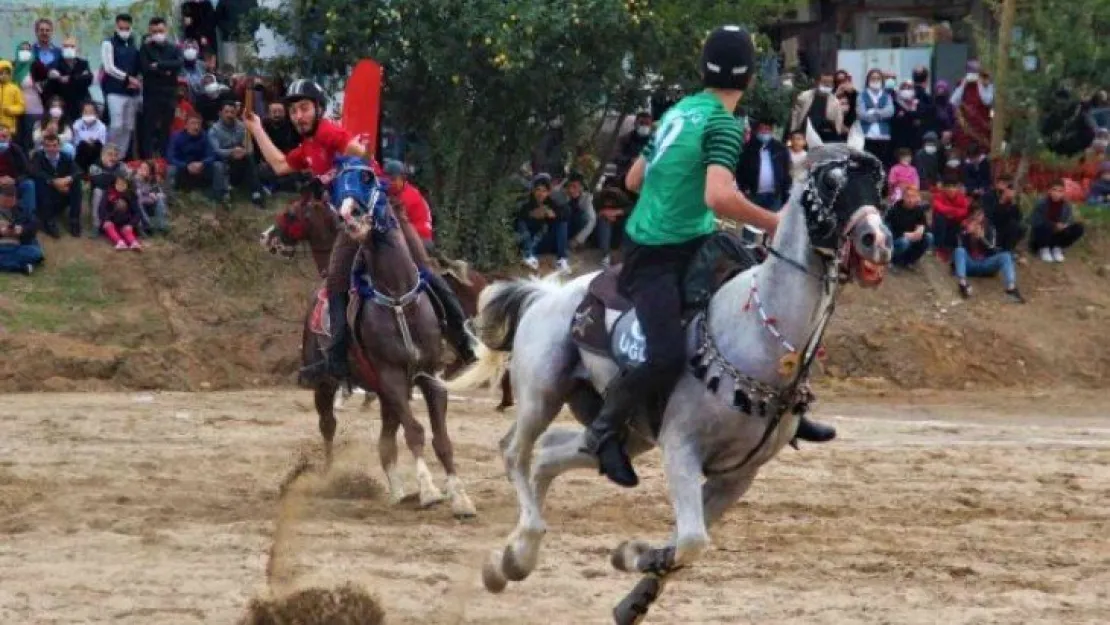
[
  {"x": 54, "y": 122},
  {"x": 950, "y": 208},
  {"x": 102, "y": 175},
  {"x": 1003, "y": 212},
  {"x": 119, "y": 216},
  {"x": 152, "y": 200},
  {"x": 927, "y": 162},
  {"x": 908, "y": 224},
  {"x": 902, "y": 175},
  {"x": 798, "y": 155},
  {"x": 976, "y": 171},
  {"x": 90, "y": 134},
  {"x": 19, "y": 249},
  {"x": 1054, "y": 227},
  {"x": 1099, "y": 193},
  {"x": 977, "y": 255}
]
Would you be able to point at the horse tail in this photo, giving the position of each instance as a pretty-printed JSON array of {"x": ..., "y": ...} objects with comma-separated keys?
[{"x": 500, "y": 308}]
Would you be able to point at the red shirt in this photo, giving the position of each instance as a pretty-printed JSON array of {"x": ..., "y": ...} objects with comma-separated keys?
[
  {"x": 417, "y": 210},
  {"x": 181, "y": 115},
  {"x": 317, "y": 153}
]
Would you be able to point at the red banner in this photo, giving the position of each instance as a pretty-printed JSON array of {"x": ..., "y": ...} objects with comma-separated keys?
[{"x": 362, "y": 103}]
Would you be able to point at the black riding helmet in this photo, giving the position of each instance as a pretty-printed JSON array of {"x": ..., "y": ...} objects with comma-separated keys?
[
  {"x": 306, "y": 90},
  {"x": 728, "y": 59}
]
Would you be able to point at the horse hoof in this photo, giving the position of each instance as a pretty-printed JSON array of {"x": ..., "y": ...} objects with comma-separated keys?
[
  {"x": 509, "y": 566},
  {"x": 492, "y": 578},
  {"x": 463, "y": 508},
  {"x": 624, "y": 557}
]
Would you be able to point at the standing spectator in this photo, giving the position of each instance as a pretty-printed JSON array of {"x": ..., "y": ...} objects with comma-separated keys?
[
  {"x": 1003, "y": 212},
  {"x": 976, "y": 171},
  {"x": 909, "y": 227},
  {"x": 19, "y": 248},
  {"x": 540, "y": 223},
  {"x": 209, "y": 104},
  {"x": 973, "y": 99},
  {"x": 820, "y": 107},
  {"x": 927, "y": 162},
  {"x": 24, "y": 76},
  {"x": 926, "y": 109},
  {"x": 550, "y": 155},
  {"x": 233, "y": 26},
  {"x": 59, "y": 186},
  {"x": 902, "y": 176},
  {"x": 54, "y": 122},
  {"x": 763, "y": 173},
  {"x": 875, "y": 109},
  {"x": 44, "y": 50},
  {"x": 198, "y": 21},
  {"x": 978, "y": 255},
  {"x": 193, "y": 162},
  {"x": 285, "y": 138},
  {"x": 15, "y": 171},
  {"x": 632, "y": 144},
  {"x": 943, "y": 110},
  {"x": 410, "y": 201},
  {"x": 119, "y": 216},
  {"x": 69, "y": 78},
  {"x": 229, "y": 141},
  {"x": 582, "y": 217},
  {"x": 11, "y": 97},
  {"x": 90, "y": 134},
  {"x": 1054, "y": 226},
  {"x": 121, "y": 83},
  {"x": 152, "y": 199},
  {"x": 102, "y": 175},
  {"x": 613, "y": 204},
  {"x": 192, "y": 69},
  {"x": 846, "y": 93},
  {"x": 905, "y": 128},
  {"x": 950, "y": 208},
  {"x": 798, "y": 156},
  {"x": 160, "y": 61}
]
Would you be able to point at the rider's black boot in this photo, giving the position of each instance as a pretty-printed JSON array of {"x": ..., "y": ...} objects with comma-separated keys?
[
  {"x": 605, "y": 436},
  {"x": 454, "y": 318},
  {"x": 814, "y": 432},
  {"x": 335, "y": 363}
]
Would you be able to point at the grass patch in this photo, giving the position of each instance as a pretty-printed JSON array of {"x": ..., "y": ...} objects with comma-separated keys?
[{"x": 54, "y": 300}]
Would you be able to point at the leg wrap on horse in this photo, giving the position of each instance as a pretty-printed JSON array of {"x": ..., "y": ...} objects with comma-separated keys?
[{"x": 454, "y": 317}]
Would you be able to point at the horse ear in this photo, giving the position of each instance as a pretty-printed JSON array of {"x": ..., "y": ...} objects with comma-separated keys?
[
  {"x": 813, "y": 140},
  {"x": 855, "y": 137}
]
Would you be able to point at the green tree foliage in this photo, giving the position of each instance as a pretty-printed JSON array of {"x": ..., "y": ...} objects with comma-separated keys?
[{"x": 476, "y": 80}]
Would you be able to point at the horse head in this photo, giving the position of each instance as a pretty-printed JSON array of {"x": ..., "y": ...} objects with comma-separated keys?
[
  {"x": 303, "y": 220},
  {"x": 842, "y": 196},
  {"x": 360, "y": 198}
]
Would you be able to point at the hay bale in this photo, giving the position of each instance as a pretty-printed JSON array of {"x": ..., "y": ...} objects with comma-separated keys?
[{"x": 345, "y": 605}]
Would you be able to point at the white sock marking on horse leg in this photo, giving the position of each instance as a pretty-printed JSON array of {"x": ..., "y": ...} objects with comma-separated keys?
[
  {"x": 429, "y": 494},
  {"x": 396, "y": 485},
  {"x": 461, "y": 506}
]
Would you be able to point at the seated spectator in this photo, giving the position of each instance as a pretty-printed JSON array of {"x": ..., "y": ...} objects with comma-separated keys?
[
  {"x": 102, "y": 175},
  {"x": 1003, "y": 212},
  {"x": 909, "y": 227},
  {"x": 193, "y": 162},
  {"x": 927, "y": 162},
  {"x": 582, "y": 217},
  {"x": 1054, "y": 226},
  {"x": 763, "y": 173},
  {"x": 15, "y": 172},
  {"x": 950, "y": 208},
  {"x": 542, "y": 223},
  {"x": 119, "y": 216},
  {"x": 977, "y": 255},
  {"x": 1099, "y": 192},
  {"x": 54, "y": 122},
  {"x": 410, "y": 201},
  {"x": 58, "y": 189},
  {"x": 285, "y": 138},
  {"x": 902, "y": 176},
  {"x": 152, "y": 200},
  {"x": 19, "y": 249},
  {"x": 613, "y": 207},
  {"x": 953, "y": 164},
  {"x": 209, "y": 104},
  {"x": 976, "y": 171},
  {"x": 798, "y": 155},
  {"x": 90, "y": 134},
  {"x": 229, "y": 141}
]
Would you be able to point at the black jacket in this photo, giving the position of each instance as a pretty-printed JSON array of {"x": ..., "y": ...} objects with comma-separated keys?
[
  {"x": 902, "y": 219},
  {"x": 76, "y": 91},
  {"x": 202, "y": 23},
  {"x": 562, "y": 211},
  {"x": 747, "y": 171},
  {"x": 43, "y": 170},
  {"x": 160, "y": 64},
  {"x": 283, "y": 134}
]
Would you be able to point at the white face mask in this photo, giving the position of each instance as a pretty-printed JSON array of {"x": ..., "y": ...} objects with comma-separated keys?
[
  {"x": 905, "y": 160},
  {"x": 788, "y": 84},
  {"x": 212, "y": 88},
  {"x": 643, "y": 131},
  {"x": 88, "y": 119},
  {"x": 124, "y": 34},
  {"x": 906, "y": 94},
  {"x": 190, "y": 54},
  {"x": 953, "y": 163},
  {"x": 24, "y": 56},
  {"x": 930, "y": 149},
  {"x": 972, "y": 76},
  {"x": 824, "y": 89},
  {"x": 158, "y": 38},
  {"x": 69, "y": 53},
  {"x": 56, "y": 112},
  {"x": 874, "y": 85},
  {"x": 890, "y": 84}
]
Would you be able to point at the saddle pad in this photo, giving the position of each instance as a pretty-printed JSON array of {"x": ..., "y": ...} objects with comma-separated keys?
[
  {"x": 622, "y": 341},
  {"x": 319, "y": 322}
]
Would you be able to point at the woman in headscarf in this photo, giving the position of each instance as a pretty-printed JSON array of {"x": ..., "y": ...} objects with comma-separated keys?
[{"x": 26, "y": 73}]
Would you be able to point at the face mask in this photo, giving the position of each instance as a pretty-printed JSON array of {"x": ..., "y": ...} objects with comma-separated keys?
[
  {"x": 190, "y": 54},
  {"x": 874, "y": 85},
  {"x": 930, "y": 149},
  {"x": 953, "y": 163},
  {"x": 906, "y": 160},
  {"x": 764, "y": 137},
  {"x": 643, "y": 131},
  {"x": 56, "y": 112},
  {"x": 69, "y": 53},
  {"x": 124, "y": 34},
  {"x": 788, "y": 84},
  {"x": 158, "y": 38},
  {"x": 88, "y": 119},
  {"x": 824, "y": 89},
  {"x": 972, "y": 76},
  {"x": 24, "y": 56},
  {"x": 212, "y": 88},
  {"x": 906, "y": 94},
  {"x": 890, "y": 84}
]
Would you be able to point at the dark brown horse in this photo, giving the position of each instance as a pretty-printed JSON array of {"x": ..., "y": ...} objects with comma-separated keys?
[{"x": 397, "y": 346}]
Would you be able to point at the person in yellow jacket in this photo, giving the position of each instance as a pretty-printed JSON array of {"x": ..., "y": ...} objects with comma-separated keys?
[{"x": 11, "y": 97}]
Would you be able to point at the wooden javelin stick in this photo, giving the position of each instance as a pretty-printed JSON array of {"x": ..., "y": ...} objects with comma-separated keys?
[{"x": 248, "y": 105}]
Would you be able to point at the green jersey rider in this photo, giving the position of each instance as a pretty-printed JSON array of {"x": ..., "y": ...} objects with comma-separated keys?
[{"x": 684, "y": 178}]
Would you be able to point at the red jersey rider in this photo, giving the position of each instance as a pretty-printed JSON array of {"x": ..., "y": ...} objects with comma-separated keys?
[{"x": 323, "y": 141}]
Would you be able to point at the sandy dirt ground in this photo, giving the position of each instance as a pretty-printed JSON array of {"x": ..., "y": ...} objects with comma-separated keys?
[{"x": 140, "y": 508}]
